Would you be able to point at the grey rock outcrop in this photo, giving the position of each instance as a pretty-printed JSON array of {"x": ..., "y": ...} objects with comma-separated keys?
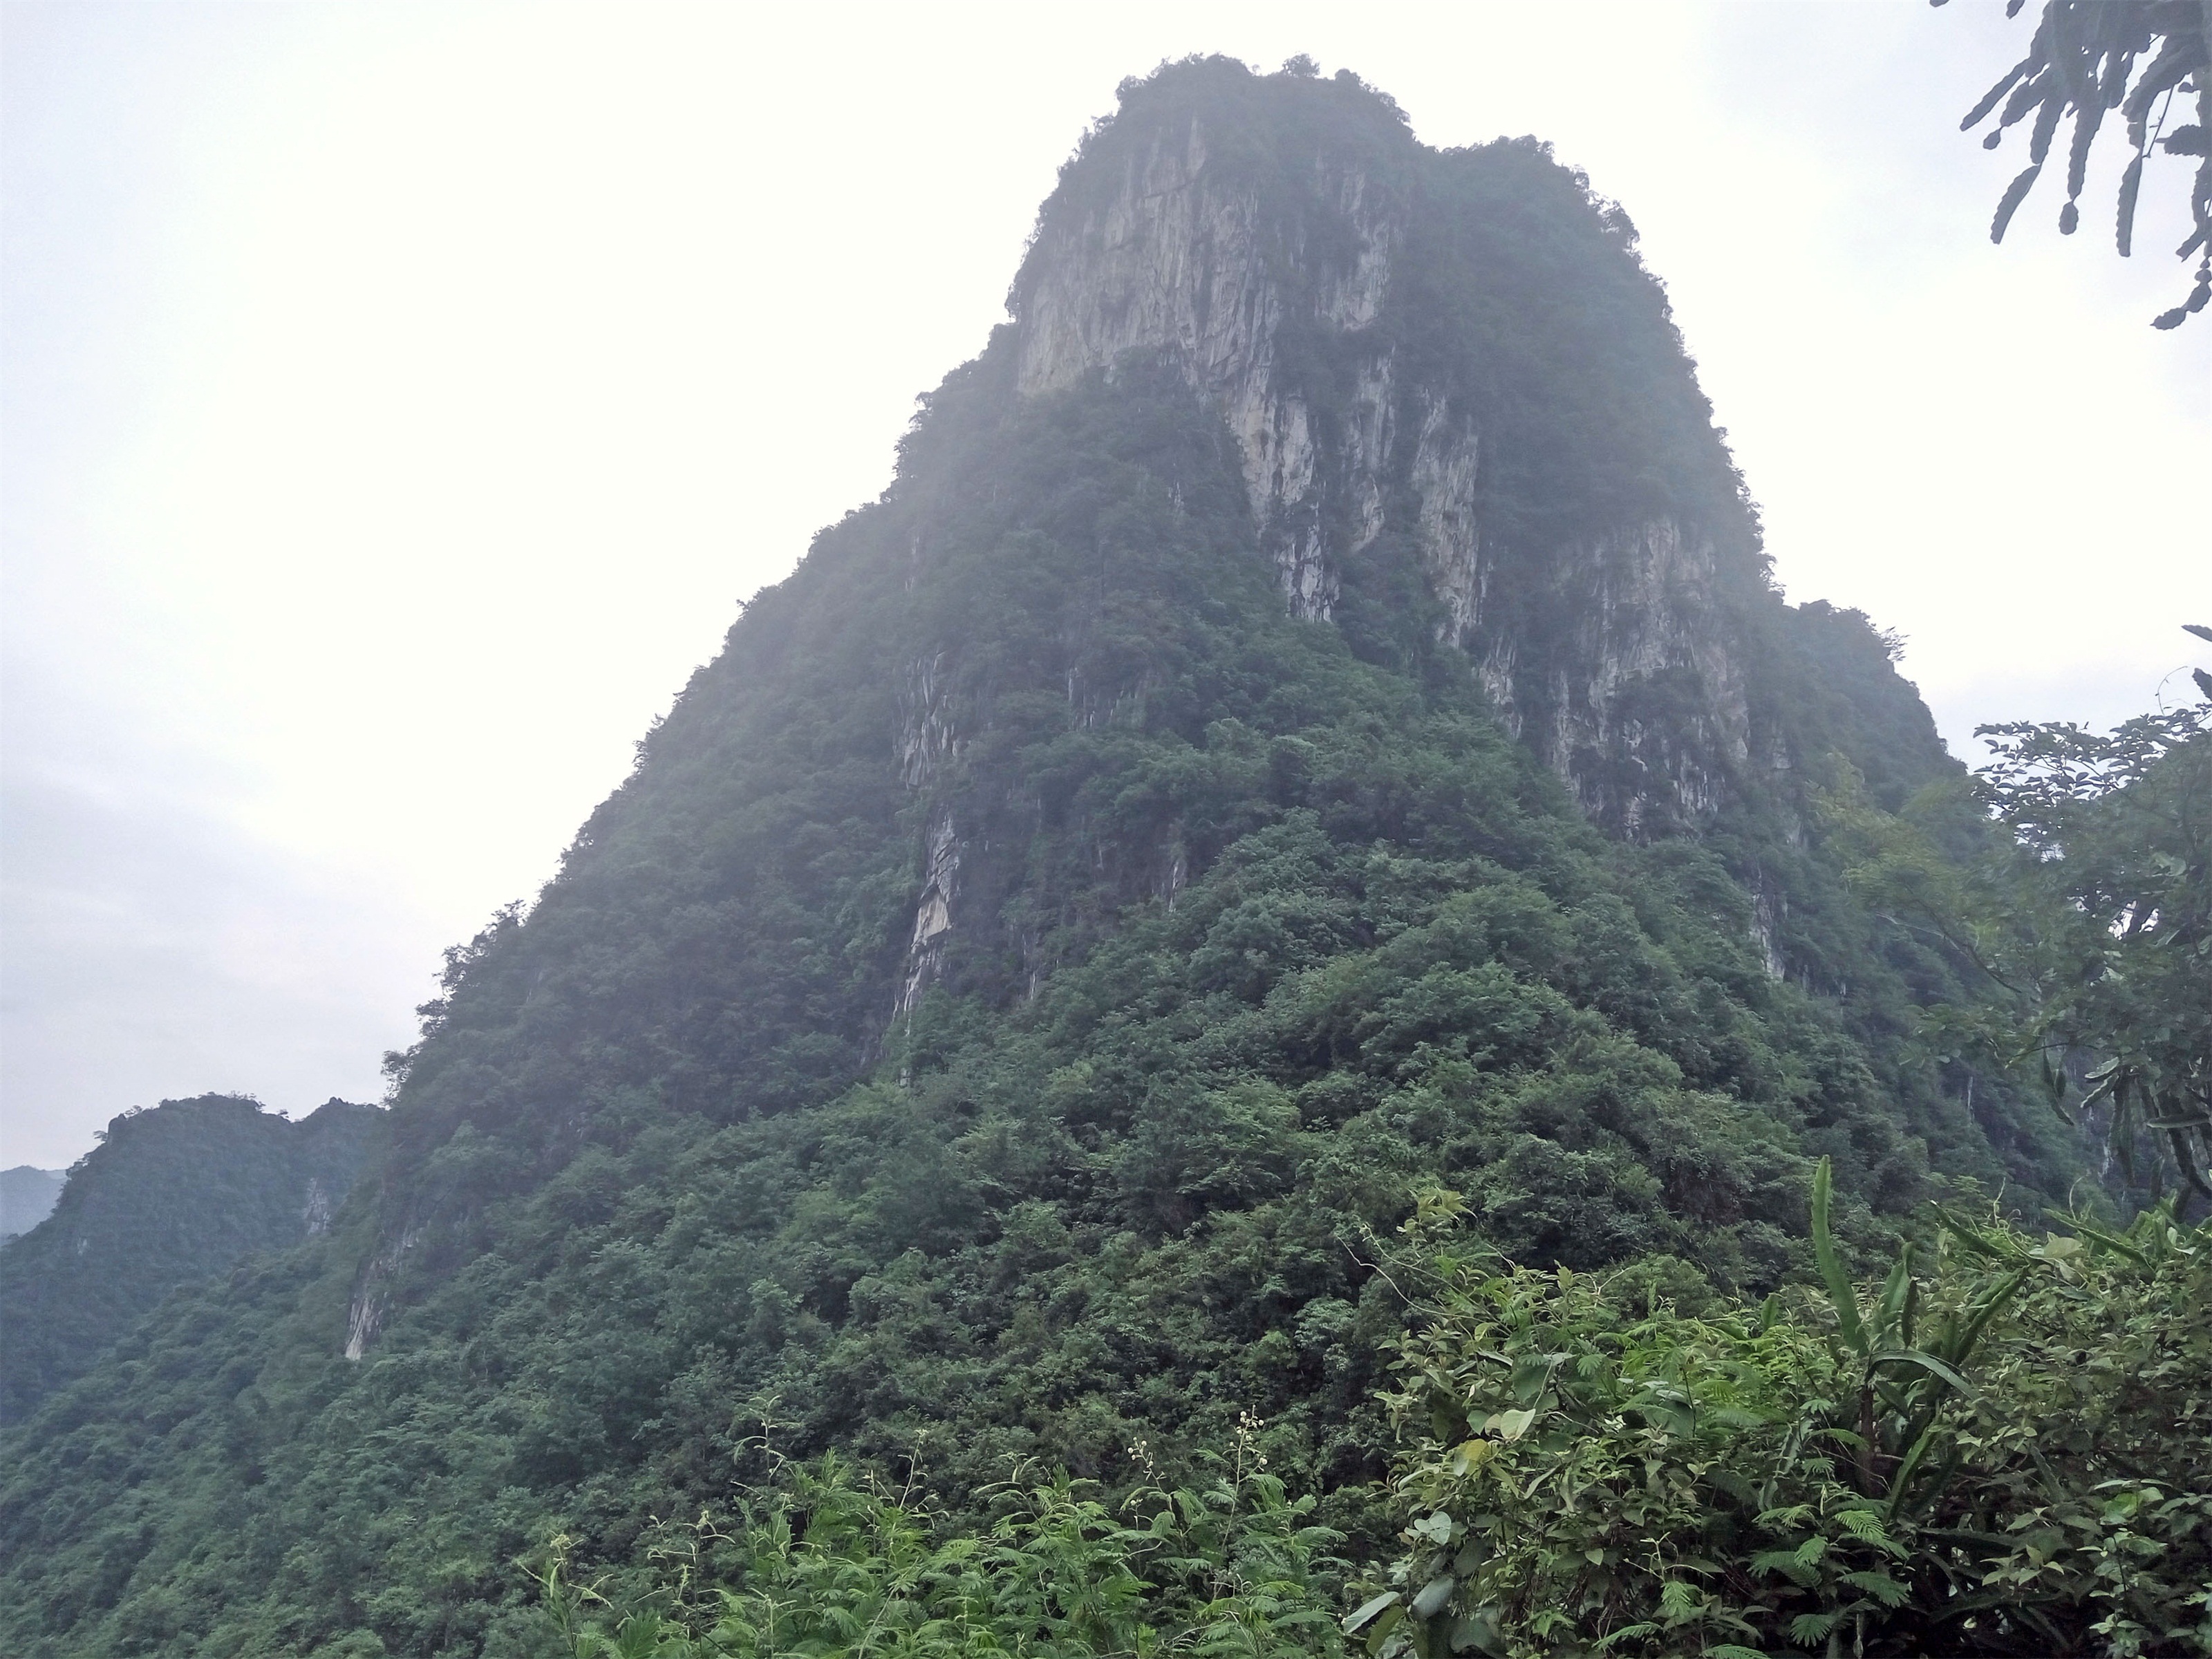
[
  {"x": 1181, "y": 261},
  {"x": 1285, "y": 306}
]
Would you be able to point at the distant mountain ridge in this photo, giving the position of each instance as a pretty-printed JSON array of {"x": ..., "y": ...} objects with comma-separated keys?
[
  {"x": 27, "y": 1197},
  {"x": 171, "y": 1195}
]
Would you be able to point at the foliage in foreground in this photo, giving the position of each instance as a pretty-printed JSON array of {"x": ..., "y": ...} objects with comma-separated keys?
[
  {"x": 2091, "y": 58},
  {"x": 1998, "y": 1450},
  {"x": 822, "y": 1563}
]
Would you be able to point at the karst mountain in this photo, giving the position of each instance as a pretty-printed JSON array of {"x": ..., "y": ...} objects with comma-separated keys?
[{"x": 1311, "y": 718}]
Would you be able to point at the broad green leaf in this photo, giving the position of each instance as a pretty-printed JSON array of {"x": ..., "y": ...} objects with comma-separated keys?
[
  {"x": 1471, "y": 1454},
  {"x": 1841, "y": 1296},
  {"x": 1436, "y": 1527},
  {"x": 1365, "y": 1612},
  {"x": 1889, "y": 1309},
  {"x": 1926, "y": 1362},
  {"x": 1476, "y": 1631}
]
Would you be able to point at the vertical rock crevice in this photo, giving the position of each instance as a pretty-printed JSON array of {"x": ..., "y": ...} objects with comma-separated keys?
[{"x": 928, "y": 746}]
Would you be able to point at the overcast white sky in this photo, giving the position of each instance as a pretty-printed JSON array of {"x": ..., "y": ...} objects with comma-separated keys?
[{"x": 398, "y": 399}]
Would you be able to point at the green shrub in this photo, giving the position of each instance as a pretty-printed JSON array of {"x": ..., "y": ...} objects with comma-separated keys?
[
  {"x": 2000, "y": 1451},
  {"x": 825, "y": 1562}
]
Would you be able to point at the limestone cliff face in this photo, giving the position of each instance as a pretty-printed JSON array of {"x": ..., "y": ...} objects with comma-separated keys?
[
  {"x": 928, "y": 746},
  {"x": 1179, "y": 259},
  {"x": 1465, "y": 424},
  {"x": 1640, "y": 701},
  {"x": 1277, "y": 245},
  {"x": 1285, "y": 298}
]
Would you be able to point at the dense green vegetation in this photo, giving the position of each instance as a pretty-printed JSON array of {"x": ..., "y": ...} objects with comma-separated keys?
[
  {"x": 169, "y": 1196},
  {"x": 1995, "y": 1449},
  {"x": 1259, "y": 928},
  {"x": 816, "y": 1563},
  {"x": 1998, "y": 1450},
  {"x": 2088, "y": 922}
]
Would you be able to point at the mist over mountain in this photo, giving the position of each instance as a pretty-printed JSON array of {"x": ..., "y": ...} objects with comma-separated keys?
[
  {"x": 1311, "y": 719},
  {"x": 27, "y": 1197},
  {"x": 172, "y": 1196}
]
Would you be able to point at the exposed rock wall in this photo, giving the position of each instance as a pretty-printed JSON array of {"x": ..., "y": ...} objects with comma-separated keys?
[
  {"x": 928, "y": 746},
  {"x": 1182, "y": 260},
  {"x": 372, "y": 1295},
  {"x": 1641, "y": 704},
  {"x": 1344, "y": 301},
  {"x": 932, "y": 917},
  {"x": 1614, "y": 658}
]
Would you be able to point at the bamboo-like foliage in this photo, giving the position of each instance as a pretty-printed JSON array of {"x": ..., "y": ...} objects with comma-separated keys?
[
  {"x": 2110, "y": 908},
  {"x": 1996, "y": 1448}
]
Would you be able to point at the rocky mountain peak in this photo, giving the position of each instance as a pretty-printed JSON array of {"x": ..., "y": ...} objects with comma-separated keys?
[
  {"x": 1181, "y": 237},
  {"x": 1308, "y": 264}
]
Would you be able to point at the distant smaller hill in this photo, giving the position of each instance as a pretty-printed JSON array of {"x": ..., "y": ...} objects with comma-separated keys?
[
  {"x": 171, "y": 1195},
  {"x": 27, "y": 1197}
]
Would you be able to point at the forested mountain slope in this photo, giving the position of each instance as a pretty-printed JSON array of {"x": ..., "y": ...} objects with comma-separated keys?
[
  {"x": 171, "y": 1195},
  {"x": 1309, "y": 717}
]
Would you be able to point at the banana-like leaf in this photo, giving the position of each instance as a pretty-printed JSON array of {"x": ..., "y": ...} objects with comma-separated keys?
[
  {"x": 1889, "y": 1310},
  {"x": 1989, "y": 1308},
  {"x": 1366, "y": 1611},
  {"x": 1841, "y": 1296},
  {"x": 2109, "y": 1241},
  {"x": 1987, "y": 1245},
  {"x": 1927, "y": 1362},
  {"x": 1901, "y": 1482}
]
